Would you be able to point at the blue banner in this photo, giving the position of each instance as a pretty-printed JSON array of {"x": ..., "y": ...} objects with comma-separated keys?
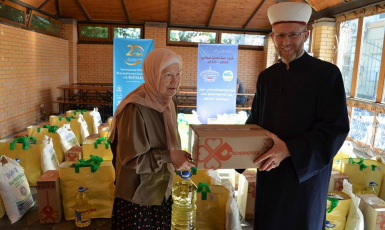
[
  {"x": 217, "y": 80},
  {"x": 129, "y": 55}
]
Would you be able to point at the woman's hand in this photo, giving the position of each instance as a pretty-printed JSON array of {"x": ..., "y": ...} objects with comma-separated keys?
[{"x": 181, "y": 160}]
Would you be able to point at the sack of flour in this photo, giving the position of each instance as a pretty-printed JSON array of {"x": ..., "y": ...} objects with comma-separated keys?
[
  {"x": 14, "y": 189},
  {"x": 83, "y": 128},
  {"x": 97, "y": 119},
  {"x": 48, "y": 156},
  {"x": 67, "y": 137}
]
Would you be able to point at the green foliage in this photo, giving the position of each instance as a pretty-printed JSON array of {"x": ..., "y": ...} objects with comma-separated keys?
[
  {"x": 192, "y": 36},
  {"x": 94, "y": 32},
  {"x": 133, "y": 33},
  {"x": 45, "y": 24},
  {"x": 11, "y": 13}
]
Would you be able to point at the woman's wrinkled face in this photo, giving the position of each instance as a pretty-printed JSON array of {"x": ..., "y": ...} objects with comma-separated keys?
[{"x": 170, "y": 79}]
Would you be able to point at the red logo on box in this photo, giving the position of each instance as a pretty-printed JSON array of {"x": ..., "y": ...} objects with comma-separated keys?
[
  {"x": 213, "y": 152},
  {"x": 251, "y": 189},
  {"x": 338, "y": 184},
  {"x": 72, "y": 157},
  {"x": 381, "y": 220}
]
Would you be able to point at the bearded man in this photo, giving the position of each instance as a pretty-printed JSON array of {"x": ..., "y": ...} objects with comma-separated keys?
[{"x": 301, "y": 101}]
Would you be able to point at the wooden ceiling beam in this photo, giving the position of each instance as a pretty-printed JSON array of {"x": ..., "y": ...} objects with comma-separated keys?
[
  {"x": 34, "y": 8},
  {"x": 84, "y": 10},
  {"x": 57, "y": 8},
  {"x": 43, "y": 4},
  {"x": 343, "y": 8},
  {"x": 169, "y": 12},
  {"x": 126, "y": 11},
  {"x": 111, "y": 22},
  {"x": 211, "y": 13},
  {"x": 255, "y": 12}
]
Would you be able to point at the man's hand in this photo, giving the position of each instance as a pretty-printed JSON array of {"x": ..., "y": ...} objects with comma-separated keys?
[
  {"x": 275, "y": 155},
  {"x": 181, "y": 160}
]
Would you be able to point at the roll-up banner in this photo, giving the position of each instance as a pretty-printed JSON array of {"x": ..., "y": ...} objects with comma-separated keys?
[{"x": 129, "y": 55}]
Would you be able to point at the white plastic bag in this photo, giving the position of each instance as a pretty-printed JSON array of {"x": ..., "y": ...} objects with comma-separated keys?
[
  {"x": 83, "y": 128},
  {"x": 14, "y": 189},
  {"x": 233, "y": 218},
  {"x": 67, "y": 137},
  {"x": 355, "y": 220},
  {"x": 97, "y": 120},
  {"x": 48, "y": 156}
]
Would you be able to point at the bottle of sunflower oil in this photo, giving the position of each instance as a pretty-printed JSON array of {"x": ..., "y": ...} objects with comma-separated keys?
[
  {"x": 82, "y": 211},
  {"x": 370, "y": 189},
  {"x": 184, "y": 195}
]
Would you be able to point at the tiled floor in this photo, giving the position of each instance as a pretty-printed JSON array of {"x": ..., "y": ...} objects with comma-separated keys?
[{"x": 30, "y": 221}]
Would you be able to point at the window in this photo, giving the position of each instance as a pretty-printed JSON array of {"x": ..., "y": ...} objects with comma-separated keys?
[
  {"x": 243, "y": 39},
  {"x": 44, "y": 23},
  {"x": 361, "y": 124},
  {"x": 192, "y": 36},
  {"x": 346, "y": 51},
  {"x": 12, "y": 13},
  {"x": 105, "y": 33},
  {"x": 370, "y": 57},
  {"x": 126, "y": 32},
  {"x": 379, "y": 141},
  {"x": 359, "y": 57}
]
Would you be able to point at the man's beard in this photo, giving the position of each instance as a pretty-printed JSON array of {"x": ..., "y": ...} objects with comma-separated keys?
[{"x": 298, "y": 52}]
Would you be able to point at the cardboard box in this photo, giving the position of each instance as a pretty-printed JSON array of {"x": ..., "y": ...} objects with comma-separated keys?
[
  {"x": 227, "y": 146},
  {"x": 74, "y": 154},
  {"x": 102, "y": 126},
  {"x": 246, "y": 193},
  {"x": 251, "y": 176},
  {"x": 92, "y": 137},
  {"x": 337, "y": 181},
  {"x": 48, "y": 195},
  {"x": 21, "y": 134},
  {"x": 373, "y": 210}
]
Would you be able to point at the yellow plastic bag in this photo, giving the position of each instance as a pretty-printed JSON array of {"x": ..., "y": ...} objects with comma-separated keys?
[
  {"x": 337, "y": 210},
  {"x": 2, "y": 208},
  {"x": 345, "y": 151},
  {"x": 110, "y": 121},
  {"x": 211, "y": 207},
  {"x": 75, "y": 125},
  {"x": 100, "y": 147},
  {"x": 50, "y": 131},
  {"x": 98, "y": 179},
  {"x": 86, "y": 115},
  {"x": 363, "y": 171},
  {"x": 28, "y": 151}
]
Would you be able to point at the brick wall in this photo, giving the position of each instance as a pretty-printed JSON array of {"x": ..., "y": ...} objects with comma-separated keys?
[
  {"x": 269, "y": 53},
  {"x": 324, "y": 39},
  {"x": 32, "y": 65},
  {"x": 95, "y": 61},
  {"x": 69, "y": 31}
]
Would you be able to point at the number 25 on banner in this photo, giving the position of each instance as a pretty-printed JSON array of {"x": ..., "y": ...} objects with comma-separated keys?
[{"x": 134, "y": 55}]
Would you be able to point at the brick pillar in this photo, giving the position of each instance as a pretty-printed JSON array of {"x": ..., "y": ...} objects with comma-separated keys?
[
  {"x": 324, "y": 40},
  {"x": 69, "y": 31},
  {"x": 156, "y": 31},
  {"x": 269, "y": 55}
]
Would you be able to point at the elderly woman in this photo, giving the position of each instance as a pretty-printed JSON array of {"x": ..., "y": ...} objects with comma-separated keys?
[{"x": 146, "y": 146}]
